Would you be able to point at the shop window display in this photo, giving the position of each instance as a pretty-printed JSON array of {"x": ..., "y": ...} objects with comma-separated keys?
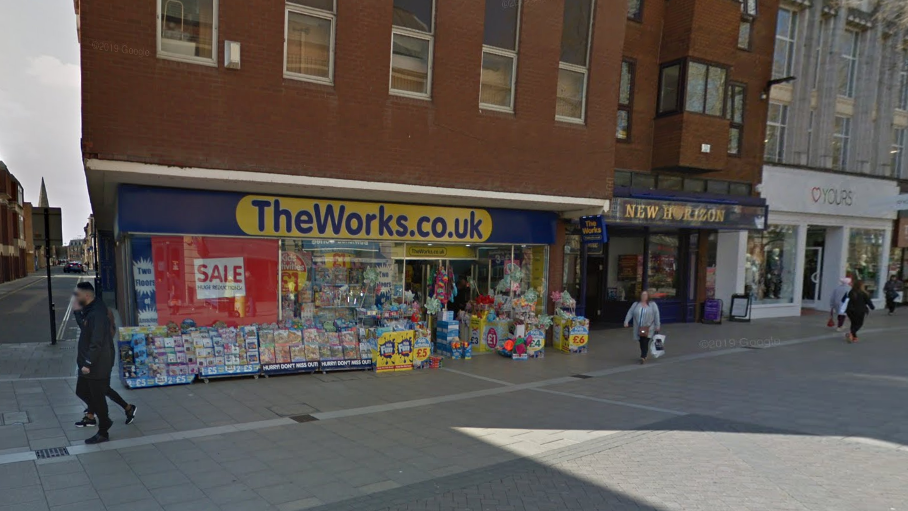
[
  {"x": 770, "y": 264},
  {"x": 865, "y": 250},
  {"x": 197, "y": 280},
  {"x": 663, "y": 266},
  {"x": 625, "y": 268},
  {"x": 325, "y": 281}
]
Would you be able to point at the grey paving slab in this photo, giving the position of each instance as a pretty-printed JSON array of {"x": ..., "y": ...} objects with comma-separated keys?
[
  {"x": 184, "y": 492},
  {"x": 71, "y": 495}
]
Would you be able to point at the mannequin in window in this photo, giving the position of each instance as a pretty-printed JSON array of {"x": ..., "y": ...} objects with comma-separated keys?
[{"x": 774, "y": 274}]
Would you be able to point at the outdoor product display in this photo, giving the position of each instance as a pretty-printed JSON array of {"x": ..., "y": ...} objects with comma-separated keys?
[
  {"x": 154, "y": 357},
  {"x": 226, "y": 351}
]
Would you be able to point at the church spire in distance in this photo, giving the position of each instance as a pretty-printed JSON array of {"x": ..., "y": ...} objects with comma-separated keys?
[{"x": 42, "y": 199}]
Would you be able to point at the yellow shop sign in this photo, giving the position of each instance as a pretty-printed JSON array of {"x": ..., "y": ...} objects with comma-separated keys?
[
  {"x": 310, "y": 218},
  {"x": 440, "y": 252}
]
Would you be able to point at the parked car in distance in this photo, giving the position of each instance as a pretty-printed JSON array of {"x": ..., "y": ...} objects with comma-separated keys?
[{"x": 73, "y": 267}]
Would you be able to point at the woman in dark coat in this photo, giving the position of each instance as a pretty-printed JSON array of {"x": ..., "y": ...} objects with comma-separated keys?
[{"x": 859, "y": 306}]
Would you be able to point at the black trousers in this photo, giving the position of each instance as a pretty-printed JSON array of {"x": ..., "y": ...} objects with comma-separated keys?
[
  {"x": 94, "y": 394},
  {"x": 890, "y": 304},
  {"x": 857, "y": 321},
  {"x": 644, "y": 346}
]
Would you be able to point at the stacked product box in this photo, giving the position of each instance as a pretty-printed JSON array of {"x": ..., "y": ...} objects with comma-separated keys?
[
  {"x": 448, "y": 343},
  {"x": 571, "y": 334}
]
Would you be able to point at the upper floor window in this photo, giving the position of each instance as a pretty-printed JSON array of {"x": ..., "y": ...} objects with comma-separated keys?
[
  {"x": 849, "y": 65},
  {"x": 577, "y": 25},
  {"x": 309, "y": 40},
  {"x": 625, "y": 97},
  {"x": 412, "y": 41},
  {"x": 786, "y": 35},
  {"x": 897, "y": 152},
  {"x": 744, "y": 30},
  {"x": 817, "y": 69},
  {"x": 734, "y": 112},
  {"x": 749, "y": 7},
  {"x": 903, "y": 83},
  {"x": 776, "y": 126},
  {"x": 499, "y": 55},
  {"x": 669, "y": 88},
  {"x": 705, "y": 88},
  {"x": 841, "y": 139},
  {"x": 635, "y": 10},
  {"x": 188, "y": 30}
]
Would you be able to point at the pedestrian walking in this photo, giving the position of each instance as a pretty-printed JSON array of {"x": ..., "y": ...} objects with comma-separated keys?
[
  {"x": 859, "y": 306},
  {"x": 893, "y": 287},
  {"x": 837, "y": 302},
  {"x": 644, "y": 317},
  {"x": 88, "y": 419},
  {"x": 95, "y": 358}
]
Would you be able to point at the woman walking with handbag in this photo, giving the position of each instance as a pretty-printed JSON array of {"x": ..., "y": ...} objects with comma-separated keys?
[
  {"x": 644, "y": 316},
  {"x": 859, "y": 306}
]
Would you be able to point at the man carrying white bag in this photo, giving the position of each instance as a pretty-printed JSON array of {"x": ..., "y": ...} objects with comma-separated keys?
[{"x": 657, "y": 345}]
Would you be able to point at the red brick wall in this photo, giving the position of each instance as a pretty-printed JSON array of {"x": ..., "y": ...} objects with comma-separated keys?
[
  {"x": 707, "y": 30},
  {"x": 142, "y": 108}
]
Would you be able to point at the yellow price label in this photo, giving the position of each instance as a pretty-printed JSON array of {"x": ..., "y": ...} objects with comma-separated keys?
[{"x": 579, "y": 340}]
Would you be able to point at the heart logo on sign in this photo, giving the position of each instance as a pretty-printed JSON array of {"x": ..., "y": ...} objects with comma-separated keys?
[{"x": 817, "y": 193}]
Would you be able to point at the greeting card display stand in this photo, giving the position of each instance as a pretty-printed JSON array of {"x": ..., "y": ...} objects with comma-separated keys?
[{"x": 154, "y": 357}]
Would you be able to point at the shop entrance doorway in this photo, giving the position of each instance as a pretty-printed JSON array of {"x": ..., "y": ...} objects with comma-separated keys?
[{"x": 813, "y": 267}]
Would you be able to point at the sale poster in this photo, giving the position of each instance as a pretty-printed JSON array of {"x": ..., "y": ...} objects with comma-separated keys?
[{"x": 204, "y": 280}]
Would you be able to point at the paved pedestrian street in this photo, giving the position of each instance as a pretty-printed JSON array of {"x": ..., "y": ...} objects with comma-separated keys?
[{"x": 769, "y": 415}]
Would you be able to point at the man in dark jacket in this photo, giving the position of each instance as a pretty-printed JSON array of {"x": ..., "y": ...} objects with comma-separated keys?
[
  {"x": 88, "y": 420},
  {"x": 95, "y": 358}
]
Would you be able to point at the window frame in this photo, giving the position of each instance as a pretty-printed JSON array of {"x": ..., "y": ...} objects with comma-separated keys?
[
  {"x": 898, "y": 151},
  {"x": 709, "y": 67},
  {"x": 748, "y": 7},
  {"x": 790, "y": 39},
  {"x": 781, "y": 129},
  {"x": 678, "y": 107},
  {"x": 315, "y": 13},
  {"x": 512, "y": 54},
  {"x": 584, "y": 70},
  {"x": 902, "y": 100},
  {"x": 629, "y": 106},
  {"x": 749, "y": 22},
  {"x": 844, "y": 143},
  {"x": 414, "y": 34},
  {"x": 203, "y": 61},
  {"x": 639, "y": 17},
  {"x": 730, "y": 113},
  {"x": 851, "y": 61}
]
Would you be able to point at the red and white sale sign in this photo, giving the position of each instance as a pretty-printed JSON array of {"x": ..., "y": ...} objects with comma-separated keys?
[{"x": 223, "y": 277}]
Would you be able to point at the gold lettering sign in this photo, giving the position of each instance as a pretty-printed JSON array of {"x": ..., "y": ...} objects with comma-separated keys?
[{"x": 655, "y": 212}]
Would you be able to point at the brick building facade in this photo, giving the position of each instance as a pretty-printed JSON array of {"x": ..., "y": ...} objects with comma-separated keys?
[
  {"x": 13, "y": 254},
  {"x": 496, "y": 104}
]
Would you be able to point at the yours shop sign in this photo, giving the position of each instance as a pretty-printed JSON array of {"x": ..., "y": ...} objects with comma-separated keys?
[{"x": 806, "y": 191}]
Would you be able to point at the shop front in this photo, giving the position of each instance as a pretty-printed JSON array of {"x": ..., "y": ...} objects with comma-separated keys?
[
  {"x": 286, "y": 268},
  {"x": 823, "y": 227},
  {"x": 666, "y": 244}
]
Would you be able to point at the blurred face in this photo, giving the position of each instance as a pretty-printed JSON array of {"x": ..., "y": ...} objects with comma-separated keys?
[
  {"x": 644, "y": 297},
  {"x": 83, "y": 297}
]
